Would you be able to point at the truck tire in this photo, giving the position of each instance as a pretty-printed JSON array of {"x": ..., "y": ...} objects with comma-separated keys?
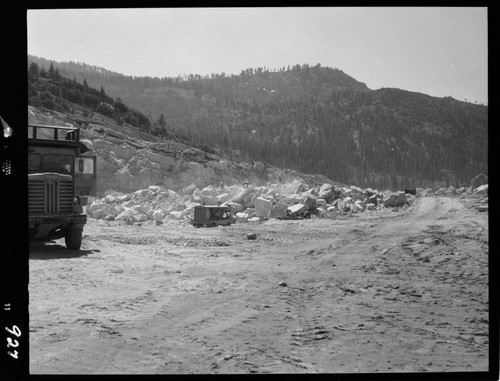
[{"x": 73, "y": 237}]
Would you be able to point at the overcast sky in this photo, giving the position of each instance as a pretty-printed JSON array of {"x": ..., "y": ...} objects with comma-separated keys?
[{"x": 436, "y": 51}]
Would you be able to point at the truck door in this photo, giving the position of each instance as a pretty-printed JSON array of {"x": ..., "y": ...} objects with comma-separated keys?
[{"x": 85, "y": 177}]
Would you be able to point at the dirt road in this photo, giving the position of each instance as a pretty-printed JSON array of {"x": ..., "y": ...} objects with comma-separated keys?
[{"x": 381, "y": 291}]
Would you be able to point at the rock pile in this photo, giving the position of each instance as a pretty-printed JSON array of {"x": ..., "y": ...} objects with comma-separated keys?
[{"x": 248, "y": 203}]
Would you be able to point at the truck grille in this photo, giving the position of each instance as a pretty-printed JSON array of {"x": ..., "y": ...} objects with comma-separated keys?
[{"x": 50, "y": 197}]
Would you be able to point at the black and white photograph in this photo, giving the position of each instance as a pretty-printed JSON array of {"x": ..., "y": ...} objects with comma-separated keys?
[{"x": 257, "y": 190}]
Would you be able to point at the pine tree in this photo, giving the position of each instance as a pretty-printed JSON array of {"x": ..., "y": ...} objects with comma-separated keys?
[
  {"x": 33, "y": 72},
  {"x": 52, "y": 72},
  {"x": 161, "y": 121}
]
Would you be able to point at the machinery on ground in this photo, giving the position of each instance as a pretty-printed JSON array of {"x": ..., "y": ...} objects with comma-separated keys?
[{"x": 212, "y": 215}]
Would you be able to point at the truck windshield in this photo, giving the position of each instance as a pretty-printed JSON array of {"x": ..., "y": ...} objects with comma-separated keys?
[
  {"x": 33, "y": 162},
  {"x": 58, "y": 163}
]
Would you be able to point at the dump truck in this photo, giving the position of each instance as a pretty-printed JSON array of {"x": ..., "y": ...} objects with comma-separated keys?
[
  {"x": 212, "y": 215},
  {"x": 61, "y": 176}
]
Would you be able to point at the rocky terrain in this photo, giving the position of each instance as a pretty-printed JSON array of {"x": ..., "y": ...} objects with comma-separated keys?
[
  {"x": 130, "y": 160},
  {"x": 258, "y": 203}
]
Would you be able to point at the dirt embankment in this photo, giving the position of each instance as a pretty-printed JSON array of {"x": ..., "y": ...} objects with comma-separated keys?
[{"x": 381, "y": 291}]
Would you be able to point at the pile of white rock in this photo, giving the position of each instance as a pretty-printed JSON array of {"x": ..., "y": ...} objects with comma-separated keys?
[{"x": 248, "y": 203}]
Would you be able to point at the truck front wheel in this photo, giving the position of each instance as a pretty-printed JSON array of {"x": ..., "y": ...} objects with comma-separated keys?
[{"x": 73, "y": 237}]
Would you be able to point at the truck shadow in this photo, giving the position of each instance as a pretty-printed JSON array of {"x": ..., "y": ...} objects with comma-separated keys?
[{"x": 53, "y": 250}]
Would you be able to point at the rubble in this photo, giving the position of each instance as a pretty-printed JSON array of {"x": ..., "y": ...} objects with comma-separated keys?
[{"x": 250, "y": 203}]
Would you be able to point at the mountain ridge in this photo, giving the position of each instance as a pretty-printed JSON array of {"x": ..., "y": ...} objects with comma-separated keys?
[{"x": 316, "y": 120}]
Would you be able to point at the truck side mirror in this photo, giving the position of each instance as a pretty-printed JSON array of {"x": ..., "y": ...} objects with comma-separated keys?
[{"x": 80, "y": 165}]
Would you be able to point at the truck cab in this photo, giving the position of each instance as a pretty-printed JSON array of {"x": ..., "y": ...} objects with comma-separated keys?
[{"x": 61, "y": 176}]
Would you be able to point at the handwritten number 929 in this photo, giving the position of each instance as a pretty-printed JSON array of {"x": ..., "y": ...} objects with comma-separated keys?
[{"x": 13, "y": 343}]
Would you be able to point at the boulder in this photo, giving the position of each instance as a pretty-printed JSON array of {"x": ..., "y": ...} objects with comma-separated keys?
[
  {"x": 222, "y": 198},
  {"x": 297, "y": 208},
  {"x": 320, "y": 202},
  {"x": 356, "y": 193},
  {"x": 235, "y": 207},
  {"x": 140, "y": 209},
  {"x": 344, "y": 207},
  {"x": 278, "y": 210},
  {"x": 310, "y": 193},
  {"x": 197, "y": 198},
  {"x": 189, "y": 189},
  {"x": 326, "y": 191},
  {"x": 109, "y": 199},
  {"x": 390, "y": 200},
  {"x": 207, "y": 200},
  {"x": 158, "y": 215},
  {"x": 250, "y": 212},
  {"x": 143, "y": 193},
  {"x": 176, "y": 214},
  {"x": 263, "y": 207},
  {"x": 99, "y": 213},
  {"x": 360, "y": 205},
  {"x": 370, "y": 206},
  {"x": 95, "y": 206},
  {"x": 233, "y": 190},
  {"x": 128, "y": 204},
  {"x": 114, "y": 210},
  {"x": 241, "y": 217},
  {"x": 450, "y": 191},
  {"x": 310, "y": 202},
  {"x": 297, "y": 187},
  {"x": 140, "y": 217},
  {"x": 402, "y": 199},
  {"x": 124, "y": 198},
  {"x": 395, "y": 199},
  {"x": 292, "y": 199},
  {"x": 483, "y": 189},
  {"x": 126, "y": 214},
  {"x": 179, "y": 207},
  {"x": 248, "y": 200},
  {"x": 239, "y": 198}
]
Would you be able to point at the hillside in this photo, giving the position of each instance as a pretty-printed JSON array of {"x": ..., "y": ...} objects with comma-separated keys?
[
  {"x": 311, "y": 119},
  {"x": 131, "y": 158}
]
